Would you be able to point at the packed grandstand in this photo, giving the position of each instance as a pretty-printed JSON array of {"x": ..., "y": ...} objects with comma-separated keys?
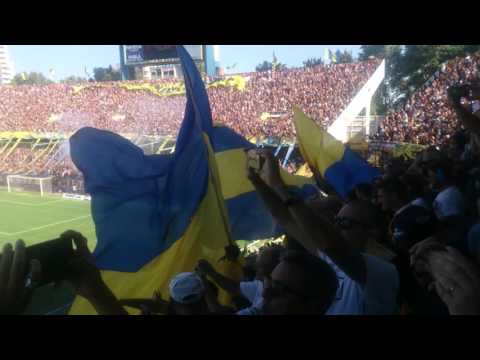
[
  {"x": 35, "y": 121},
  {"x": 398, "y": 238}
]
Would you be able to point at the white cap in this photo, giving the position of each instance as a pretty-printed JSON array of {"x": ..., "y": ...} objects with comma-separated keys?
[
  {"x": 449, "y": 202},
  {"x": 186, "y": 288}
]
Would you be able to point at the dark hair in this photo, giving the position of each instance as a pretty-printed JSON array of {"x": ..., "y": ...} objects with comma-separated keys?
[
  {"x": 445, "y": 167},
  {"x": 320, "y": 277},
  {"x": 394, "y": 185},
  {"x": 365, "y": 189},
  {"x": 376, "y": 217},
  {"x": 414, "y": 184}
]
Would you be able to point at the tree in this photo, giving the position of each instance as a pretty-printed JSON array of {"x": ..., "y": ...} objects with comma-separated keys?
[
  {"x": 344, "y": 57},
  {"x": 312, "y": 62},
  {"x": 106, "y": 74},
  {"x": 338, "y": 55},
  {"x": 265, "y": 66},
  {"x": 32, "y": 78},
  {"x": 73, "y": 80},
  {"x": 378, "y": 51},
  {"x": 273, "y": 65},
  {"x": 419, "y": 62},
  {"x": 409, "y": 67}
]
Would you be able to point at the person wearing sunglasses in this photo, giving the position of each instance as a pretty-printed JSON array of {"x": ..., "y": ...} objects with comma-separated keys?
[
  {"x": 293, "y": 286},
  {"x": 367, "y": 284}
]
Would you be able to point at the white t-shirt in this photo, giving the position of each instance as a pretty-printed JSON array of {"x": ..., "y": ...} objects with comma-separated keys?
[
  {"x": 252, "y": 290},
  {"x": 378, "y": 297},
  {"x": 449, "y": 202}
]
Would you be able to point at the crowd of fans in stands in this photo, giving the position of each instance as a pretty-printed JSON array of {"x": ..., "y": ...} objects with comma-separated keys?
[
  {"x": 321, "y": 91},
  {"x": 407, "y": 244},
  {"x": 426, "y": 117}
]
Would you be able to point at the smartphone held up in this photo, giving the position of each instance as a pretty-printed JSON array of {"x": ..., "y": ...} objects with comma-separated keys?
[{"x": 53, "y": 256}]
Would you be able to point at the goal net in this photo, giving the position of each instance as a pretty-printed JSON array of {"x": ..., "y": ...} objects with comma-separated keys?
[{"x": 42, "y": 185}]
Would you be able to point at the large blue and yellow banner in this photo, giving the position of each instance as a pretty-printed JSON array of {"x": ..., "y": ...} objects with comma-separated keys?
[{"x": 157, "y": 215}]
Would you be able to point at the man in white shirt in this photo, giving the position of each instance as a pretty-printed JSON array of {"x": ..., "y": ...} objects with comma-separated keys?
[
  {"x": 367, "y": 285},
  {"x": 293, "y": 287}
]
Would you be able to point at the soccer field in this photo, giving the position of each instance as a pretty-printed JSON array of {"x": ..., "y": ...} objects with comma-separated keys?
[{"x": 34, "y": 219}]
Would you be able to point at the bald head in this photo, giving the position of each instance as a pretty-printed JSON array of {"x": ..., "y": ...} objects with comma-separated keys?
[
  {"x": 328, "y": 206},
  {"x": 362, "y": 211}
]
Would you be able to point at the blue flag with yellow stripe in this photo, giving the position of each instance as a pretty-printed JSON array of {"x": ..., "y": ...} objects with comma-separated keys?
[
  {"x": 157, "y": 215},
  {"x": 336, "y": 163}
]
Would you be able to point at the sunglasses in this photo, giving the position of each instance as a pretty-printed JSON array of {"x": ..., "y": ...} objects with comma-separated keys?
[{"x": 346, "y": 223}]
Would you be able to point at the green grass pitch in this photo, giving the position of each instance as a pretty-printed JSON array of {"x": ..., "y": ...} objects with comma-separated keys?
[{"x": 33, "y": 218}]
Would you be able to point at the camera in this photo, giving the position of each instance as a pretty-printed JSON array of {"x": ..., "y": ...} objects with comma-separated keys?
[
  {"x": 53, "y": 256},
  {"x": 255, "y": 161}
]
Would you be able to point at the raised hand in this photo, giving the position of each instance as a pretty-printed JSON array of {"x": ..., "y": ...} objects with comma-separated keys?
[
  {"x": 420, "y": 249},
  {"x": 269, "y": 168},
  {"x": 15, "y": 286},
  {"x": 82, "y": 271},
  {"x": 205, "y": 268},
  {"x": 457, "y": 282}
]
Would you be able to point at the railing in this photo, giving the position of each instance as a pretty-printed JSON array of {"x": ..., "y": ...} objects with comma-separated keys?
[{"x": 363, "y": 125}]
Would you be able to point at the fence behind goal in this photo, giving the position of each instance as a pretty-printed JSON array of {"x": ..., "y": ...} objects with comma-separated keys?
[{"x": 43, "y": 185}]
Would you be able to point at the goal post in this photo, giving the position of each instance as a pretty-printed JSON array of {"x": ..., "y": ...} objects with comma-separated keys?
[{"x": 42, "y": 185}]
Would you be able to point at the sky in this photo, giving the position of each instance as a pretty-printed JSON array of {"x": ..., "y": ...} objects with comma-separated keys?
[{"x": 66, "y": 60}]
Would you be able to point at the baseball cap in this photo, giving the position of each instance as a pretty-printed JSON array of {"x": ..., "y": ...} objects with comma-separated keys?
[
  {"x": 186, "y": 288},
  {"x": 448, "y": 203}
]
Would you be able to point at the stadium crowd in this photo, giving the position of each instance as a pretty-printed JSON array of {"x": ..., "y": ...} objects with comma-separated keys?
[
  {"x": 426, "y": 117},
  {"x": 322, "y": 91},
  {"x": 409, "y": 243}
]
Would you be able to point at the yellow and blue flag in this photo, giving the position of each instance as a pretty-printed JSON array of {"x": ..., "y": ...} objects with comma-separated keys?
[
  {"x": 336, "y": 163},
  {"x": 157, "y": 215}
]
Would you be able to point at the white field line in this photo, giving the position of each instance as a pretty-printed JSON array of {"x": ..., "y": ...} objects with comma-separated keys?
[
  {"x": 45, "y": 226},
  {"x": 28, "y": 204}
]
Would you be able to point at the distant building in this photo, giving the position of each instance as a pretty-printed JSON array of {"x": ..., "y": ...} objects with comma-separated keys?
[
  {"x": 152, "y": 62},
  {"x": 166, "y": 71},
  {"x": 6, "y": 66}
]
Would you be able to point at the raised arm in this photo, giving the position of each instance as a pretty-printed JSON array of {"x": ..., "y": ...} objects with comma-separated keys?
[
  {"x": 313, "y": 231},
  {"x": 86, "y": 278},
  {"x": 229, "y": 285}
]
